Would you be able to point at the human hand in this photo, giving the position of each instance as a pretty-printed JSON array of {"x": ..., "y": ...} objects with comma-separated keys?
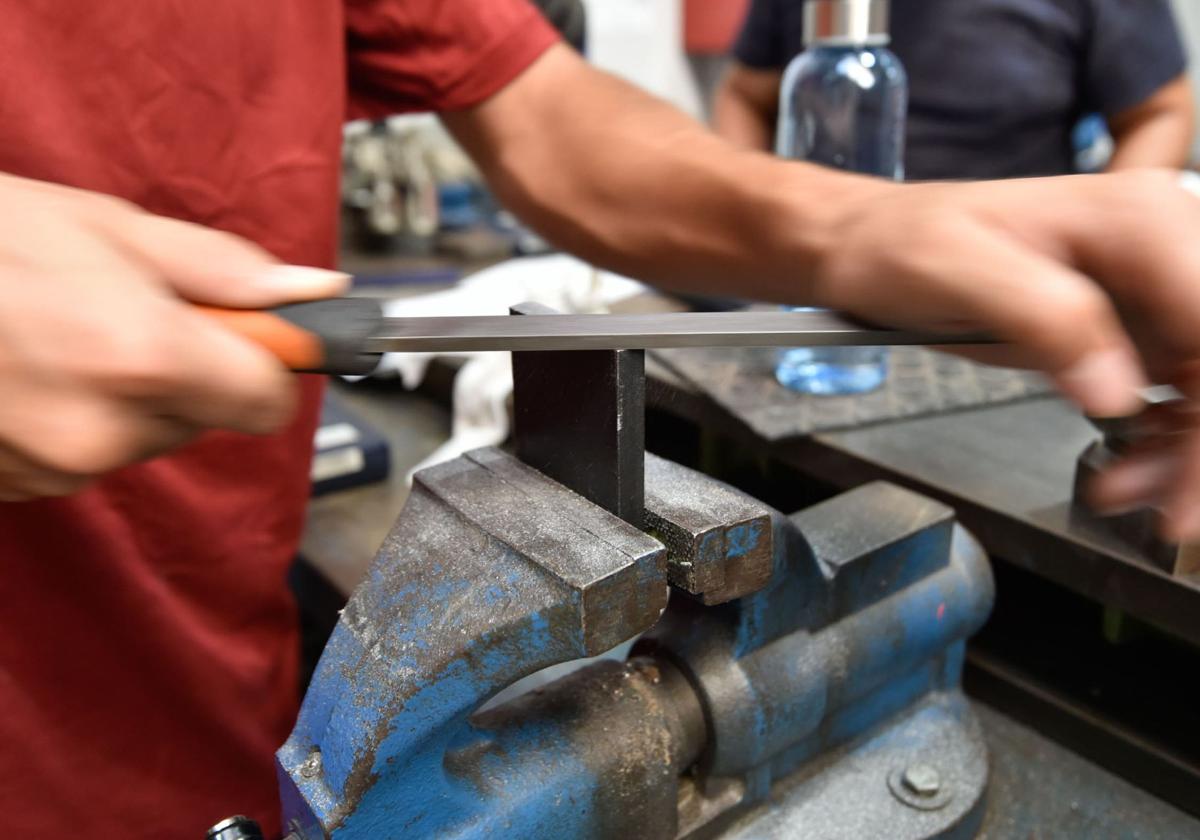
[
  {"x": 102, "y": 363},
  {"x": 1094, "y": 280}
]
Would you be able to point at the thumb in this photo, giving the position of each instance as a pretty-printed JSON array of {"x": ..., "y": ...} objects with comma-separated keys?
[{"x": 213, "y": 267}]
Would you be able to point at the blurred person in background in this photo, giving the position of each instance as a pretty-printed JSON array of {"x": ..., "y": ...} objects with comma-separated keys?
[{"x": 996, "y": 86}]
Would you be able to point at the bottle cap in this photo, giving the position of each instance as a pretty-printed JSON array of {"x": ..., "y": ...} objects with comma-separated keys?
[{"x": 846, "y": 22}]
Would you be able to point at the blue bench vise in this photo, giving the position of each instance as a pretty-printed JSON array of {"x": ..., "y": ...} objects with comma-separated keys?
[{"x": 791, "y": 675}]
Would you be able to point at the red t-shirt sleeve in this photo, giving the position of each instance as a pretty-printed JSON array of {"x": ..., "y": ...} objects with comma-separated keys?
[{"x": 437, "y": 55}]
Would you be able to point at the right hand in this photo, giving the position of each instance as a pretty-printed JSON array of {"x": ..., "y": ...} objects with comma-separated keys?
[
  {"x": 102, "y": 363},
  {"x": 1094, "y": 280}
]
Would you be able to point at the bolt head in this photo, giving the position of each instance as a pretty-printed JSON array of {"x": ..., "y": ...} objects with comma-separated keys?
[
  {"x": 922, "y": 779},
  {"x": 311, "y": 767}
]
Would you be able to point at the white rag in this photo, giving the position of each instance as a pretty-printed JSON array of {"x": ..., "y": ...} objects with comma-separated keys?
[{"x": 483, "y": 384}]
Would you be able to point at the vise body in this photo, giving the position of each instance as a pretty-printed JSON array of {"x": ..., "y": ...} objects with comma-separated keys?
[{"x": 792, "y": 675}]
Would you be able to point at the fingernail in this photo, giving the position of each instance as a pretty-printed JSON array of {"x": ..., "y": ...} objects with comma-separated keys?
[
  {"x": 1134, "y": 484},
  {"x": 304, "y": 280},
  {"x": 1105, "y": 383}
]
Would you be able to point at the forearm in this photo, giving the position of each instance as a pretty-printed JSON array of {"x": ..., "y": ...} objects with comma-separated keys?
[
  {"x": 1156, "y": 133},
  {"x": 626, "y": 181},
  {"x": 741, "y": 121},
  {"x": 1164, "y": 141}
]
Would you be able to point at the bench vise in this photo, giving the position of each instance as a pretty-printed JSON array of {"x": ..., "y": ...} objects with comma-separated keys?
[{"x": 792, "y": 675}]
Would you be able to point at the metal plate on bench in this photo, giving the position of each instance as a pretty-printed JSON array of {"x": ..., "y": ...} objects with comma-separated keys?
[{"x": 920, "y": 382}]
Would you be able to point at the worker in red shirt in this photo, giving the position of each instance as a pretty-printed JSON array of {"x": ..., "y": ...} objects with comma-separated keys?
[{"x": 148, "y": 647}]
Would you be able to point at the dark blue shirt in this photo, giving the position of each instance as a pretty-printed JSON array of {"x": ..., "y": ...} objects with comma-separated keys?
[{"x": 997, "y": 85}]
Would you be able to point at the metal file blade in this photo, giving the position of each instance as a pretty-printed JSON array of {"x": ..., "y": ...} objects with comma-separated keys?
[{"x": 754, "y": 328}]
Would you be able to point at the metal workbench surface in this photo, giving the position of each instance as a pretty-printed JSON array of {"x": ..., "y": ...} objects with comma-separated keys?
[{"x": 1007, "y": 470}]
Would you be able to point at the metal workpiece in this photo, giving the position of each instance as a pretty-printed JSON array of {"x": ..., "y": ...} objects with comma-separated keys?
[
  {"x": 543, "y": 329},
  {"x": 492, "y": 572},
  {"x": 579, "y": 417},
  {"x": 719, "y": 540}
]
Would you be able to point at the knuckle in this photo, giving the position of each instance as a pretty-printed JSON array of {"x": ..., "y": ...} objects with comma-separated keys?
[
  {"x": 89, "y": 452},
  {"x": 138, "y": 361},
  {"x": 108, "y": 205},
  {"x": 1081, "y": 306}
]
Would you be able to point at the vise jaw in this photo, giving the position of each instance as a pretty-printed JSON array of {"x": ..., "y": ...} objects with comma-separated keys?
[{"x": 492, "y": 572}]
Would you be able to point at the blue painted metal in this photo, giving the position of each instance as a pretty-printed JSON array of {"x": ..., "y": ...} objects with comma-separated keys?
[
  {"x": 463, "y": 599},
  {"x": 493, "y": 572}
]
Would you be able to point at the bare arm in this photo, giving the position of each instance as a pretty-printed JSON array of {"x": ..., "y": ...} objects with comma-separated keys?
[
  {"x": 747, "y": 105},
  {"x": 1156, "y": 132},
  {"x": 624, "y": 180}
]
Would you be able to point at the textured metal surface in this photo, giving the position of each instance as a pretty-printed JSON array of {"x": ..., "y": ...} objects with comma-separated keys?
[
  {"x": 718, "y": 539},
  {"x": 467, "y": 596},
  {"x": 875, "y": 540},
  {"x": 791, "y": 674},
  {"x": 1041, "y": 791},
  {"x": 848, "y": 795},
  {"x": 544, "y": 331},
  {"x": 788, "y": 649},
  {"x": 579, "y": 417},
  {"x": 464, "y": 598},
  {"x": 635, "y": 726},
  {"x": 1163, "y": 770},
  {"x": 920, "y": 382}
]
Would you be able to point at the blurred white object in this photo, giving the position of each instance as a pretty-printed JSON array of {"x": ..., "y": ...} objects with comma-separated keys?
[
  {"x": 1190, "y": 181},
  {"x": 484, "y": 383},
  {"x": 642, "y": 41}
]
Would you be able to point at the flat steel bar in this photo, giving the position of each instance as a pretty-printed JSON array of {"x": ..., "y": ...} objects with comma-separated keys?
[
  {"x": 579, "y": 418},
  {"x": 637, "y": 332}
]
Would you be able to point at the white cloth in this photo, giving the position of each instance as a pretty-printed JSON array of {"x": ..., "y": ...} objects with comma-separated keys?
[{"x": 483, "y": 384}]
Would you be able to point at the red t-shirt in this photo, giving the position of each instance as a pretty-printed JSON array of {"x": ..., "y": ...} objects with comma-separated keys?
[{"x": 148, "y": 643}]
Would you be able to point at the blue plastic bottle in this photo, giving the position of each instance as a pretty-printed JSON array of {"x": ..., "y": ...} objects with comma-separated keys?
[{"x": 842, "y": 104}]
